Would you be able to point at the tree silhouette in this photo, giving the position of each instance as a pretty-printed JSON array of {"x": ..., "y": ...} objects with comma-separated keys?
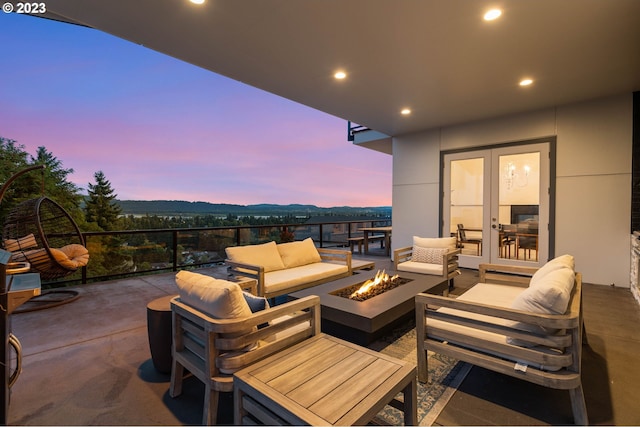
[
  {"x": 51, "y": 182},
  {"x": 101, "y": 207}
]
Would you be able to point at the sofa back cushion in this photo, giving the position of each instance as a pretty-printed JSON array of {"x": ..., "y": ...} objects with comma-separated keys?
[
  {"x": 296, "y": 254},
  {"x": 216, "y": 298},
  {"x": 551, "y": 295},
  {"x": 563, "y": 261},
  {"x": 435, "y": 242},
  {"x": 264, "y": 255}
]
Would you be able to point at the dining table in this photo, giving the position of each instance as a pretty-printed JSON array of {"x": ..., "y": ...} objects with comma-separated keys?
[{"x": 373, "y": 231}]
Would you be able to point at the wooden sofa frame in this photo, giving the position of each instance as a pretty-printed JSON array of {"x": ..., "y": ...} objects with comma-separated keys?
[
  {"x": 499, "y": 356},
  {"x": 256, "y": 272},
  {"x": 200, "y": 343},
  {"x": 449, "y": 261}
]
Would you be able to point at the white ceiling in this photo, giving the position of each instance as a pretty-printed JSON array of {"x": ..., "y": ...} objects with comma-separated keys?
[{"x": 437, "y": 57}]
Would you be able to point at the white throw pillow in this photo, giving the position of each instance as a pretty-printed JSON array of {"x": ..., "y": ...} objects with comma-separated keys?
[
  {"x": 296, "y": 254},
  {"x": 428, "y": 255},
  {"x": 264, "y": 255},
  {"x": 563, "y": 261},
  {"x": 550, "y": 296},
  {"x": 434, "y": 242}
]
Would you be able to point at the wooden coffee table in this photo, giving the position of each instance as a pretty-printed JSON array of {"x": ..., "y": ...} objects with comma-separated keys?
[{"x": 323, "y": 381}]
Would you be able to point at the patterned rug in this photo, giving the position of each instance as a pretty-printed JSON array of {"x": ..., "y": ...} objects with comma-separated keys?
[{"x": 445, "y": 375}]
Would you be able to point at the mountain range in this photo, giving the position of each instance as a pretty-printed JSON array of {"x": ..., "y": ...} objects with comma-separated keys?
[{"x": 184, "y": 208}]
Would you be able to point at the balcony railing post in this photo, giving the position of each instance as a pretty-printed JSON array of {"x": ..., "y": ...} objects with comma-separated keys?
[
  {"x": 321, "y": 235},
  {"x": 174, "y": 236}
]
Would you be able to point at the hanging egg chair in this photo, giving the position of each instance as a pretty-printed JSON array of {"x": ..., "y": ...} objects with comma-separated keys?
[{"x": 40, "y": 232}]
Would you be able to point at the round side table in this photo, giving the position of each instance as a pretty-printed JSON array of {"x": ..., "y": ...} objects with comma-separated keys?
[{"x": 159, "y": 331}]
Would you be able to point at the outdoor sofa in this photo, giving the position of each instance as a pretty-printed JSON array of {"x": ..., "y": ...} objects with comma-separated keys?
[
  {"x": 519, "y": 321},
  {"x": 283, "y": 268}
]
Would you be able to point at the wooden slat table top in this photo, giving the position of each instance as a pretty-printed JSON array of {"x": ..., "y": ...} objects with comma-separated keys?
[{"x": 325, "y": 380}]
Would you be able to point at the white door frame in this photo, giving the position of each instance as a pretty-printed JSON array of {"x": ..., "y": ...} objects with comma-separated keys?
[{"x": 490, "y": 200}]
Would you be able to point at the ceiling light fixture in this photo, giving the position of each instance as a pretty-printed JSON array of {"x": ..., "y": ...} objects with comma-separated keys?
[
  {"x": 492, "y": 14},
  {"x": 526, "y": 82},
  {"x": 197, "y": 1},
  {"x": 339, "y": 75},
  {"x": 405, "y": 111}
]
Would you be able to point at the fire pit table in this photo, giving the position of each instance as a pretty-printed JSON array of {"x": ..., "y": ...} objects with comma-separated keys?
[{"x": 362, "y": 322}]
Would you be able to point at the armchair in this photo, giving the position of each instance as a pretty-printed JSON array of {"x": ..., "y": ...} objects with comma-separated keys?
[
  {"x": 437, "y": 256},
  {"x": 215, "y": 333}
]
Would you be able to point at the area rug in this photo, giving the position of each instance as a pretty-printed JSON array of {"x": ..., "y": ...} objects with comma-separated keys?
[{"x": 445, "y": 375}]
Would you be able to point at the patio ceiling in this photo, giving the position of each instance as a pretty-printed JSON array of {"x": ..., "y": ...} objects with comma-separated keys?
[{"x": 437, "y": 57}]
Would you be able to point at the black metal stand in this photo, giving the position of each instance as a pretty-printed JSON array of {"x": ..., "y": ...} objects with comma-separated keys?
[{"x": 5, "y": 327}]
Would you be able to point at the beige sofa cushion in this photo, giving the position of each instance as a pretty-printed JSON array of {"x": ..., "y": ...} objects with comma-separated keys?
[
  {"x": 295, "y": 254},
  {"x": 276, "y": 281},
  {"x": 563, "y": 261},
  {"x": 435, "y": 242},
  {"x": 550, "y": 295},
  {"x": 216, "y": 298},
  {"x": 420, "y": 267},
  {"x": 265, "y": 255}
]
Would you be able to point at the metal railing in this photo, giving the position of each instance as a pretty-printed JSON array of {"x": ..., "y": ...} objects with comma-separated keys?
[{"x": 124, "y": 253}]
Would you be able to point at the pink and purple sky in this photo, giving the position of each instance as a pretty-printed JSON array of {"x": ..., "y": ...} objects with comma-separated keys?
[{"x": 162, "y": 129}]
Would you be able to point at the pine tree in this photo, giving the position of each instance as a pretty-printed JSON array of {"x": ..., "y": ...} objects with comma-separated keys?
[
  {"x": 51, "y": 182},
  {"x": 100, "y": 206}
]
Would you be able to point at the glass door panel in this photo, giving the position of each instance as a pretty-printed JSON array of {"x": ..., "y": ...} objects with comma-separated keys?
[
  {"x": 518, "y": 206},
  {"x": 467, "y": 204}
]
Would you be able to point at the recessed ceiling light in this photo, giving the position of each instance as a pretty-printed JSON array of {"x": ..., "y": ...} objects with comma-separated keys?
[
  {"x": 197, "y": 1},
  {"x": 526, "y": 82},
  {"x": 340, "y": 75},
  {"x": 492, "y": 14},
  {"x": 405, "y": 111}
]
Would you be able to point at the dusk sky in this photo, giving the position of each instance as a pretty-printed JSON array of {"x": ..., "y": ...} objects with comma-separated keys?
[{"x": 162, "y": 129}]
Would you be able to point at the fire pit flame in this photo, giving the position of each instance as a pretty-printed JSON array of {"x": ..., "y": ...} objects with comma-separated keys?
[{"x": 381, "y": 279}]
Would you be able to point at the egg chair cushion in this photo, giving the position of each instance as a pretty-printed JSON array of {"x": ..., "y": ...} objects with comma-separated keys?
[{"x": 71, "y": 256}]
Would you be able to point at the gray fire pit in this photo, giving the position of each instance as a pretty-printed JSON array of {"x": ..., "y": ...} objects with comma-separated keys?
[{"x": 361, "y": 322}]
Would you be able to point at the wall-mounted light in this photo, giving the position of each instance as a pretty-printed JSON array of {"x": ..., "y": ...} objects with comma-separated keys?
[
  {"x": 340, "y": 75},
  {"x": 405, "y": 111}
]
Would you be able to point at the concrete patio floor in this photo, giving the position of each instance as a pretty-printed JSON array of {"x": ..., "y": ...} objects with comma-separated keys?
[{"x": 88, "y": 363}]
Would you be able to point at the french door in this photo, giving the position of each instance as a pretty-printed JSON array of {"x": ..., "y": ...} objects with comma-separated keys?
[{"x": 496, "y": 201}]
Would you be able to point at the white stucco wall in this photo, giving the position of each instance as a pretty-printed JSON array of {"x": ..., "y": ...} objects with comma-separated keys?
[{"x": 593, "y": 179}]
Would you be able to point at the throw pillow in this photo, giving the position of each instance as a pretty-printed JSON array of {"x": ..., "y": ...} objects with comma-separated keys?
[
  {"x": 264, "y": 255},
  {"x": 435, "y": 242},
  {"x": 255, "y": 303},
  {"x": 428, "y": 255},
  {"x": 563, "y": 261},
  {"x": 295, "y": 254},
  {"x": 550, "y": 296}
]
